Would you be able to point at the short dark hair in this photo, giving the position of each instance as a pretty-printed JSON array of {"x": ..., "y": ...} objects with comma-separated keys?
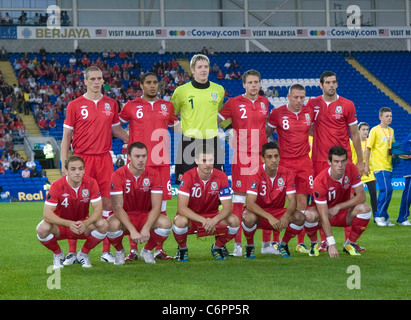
[
  {"x": 383, "y": 110},
  {"x": 268, "y": 146},
  {"x": 251, "y": 72},
  {"x": 337, "y": 151},
  {"x": 296, "y": 86},
  {"x": 72, "y": 159},
  {"x": 363, "y": 124},
  {"x": 327, "y": 74},
  {"x": 145, "y": 75},
  {"x": 137, "y": 144}
]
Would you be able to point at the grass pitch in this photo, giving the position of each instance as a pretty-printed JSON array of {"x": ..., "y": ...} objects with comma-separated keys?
[{"x": 382, "y": 272}]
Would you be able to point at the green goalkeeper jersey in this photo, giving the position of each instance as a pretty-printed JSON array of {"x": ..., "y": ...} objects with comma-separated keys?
[{"x": 198, "y": 106}]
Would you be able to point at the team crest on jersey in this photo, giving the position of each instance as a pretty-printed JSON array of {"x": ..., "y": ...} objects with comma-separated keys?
[
  {"x": 338, "y": 112},
  {"x": 146, "y": 182},
  {"x": 214, "y": 185},
  {"x": 164, "y": 111},
  {"x": 347, "y": 184},
  {"x": 262, "y": 105},
  {"x": 214, "y": 96},
  {"x": 307, "y": 119},
  {"x": 280, "y": 184},
  {"x": 107, "y": 109},
  {"x": 86, "y": 195},
  {"x": 238, "y": 183}
]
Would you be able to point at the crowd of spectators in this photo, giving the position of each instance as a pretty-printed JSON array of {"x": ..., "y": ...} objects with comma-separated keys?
[{"x": 31, "y": 18}]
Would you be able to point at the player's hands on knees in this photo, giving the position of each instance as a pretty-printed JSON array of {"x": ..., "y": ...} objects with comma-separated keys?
[
  {"x": 332, "y": 251},
  {"x": 275, "y": 223},
  {"x": 77, "y": 227},
  {"x": 135, "y": 236},
  {"x": 209, "y": 225},
  {"x": 145, "y": 235}
]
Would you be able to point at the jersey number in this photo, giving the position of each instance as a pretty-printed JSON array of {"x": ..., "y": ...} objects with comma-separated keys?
[
  {"x": 196, "y": 192},
  {"x": 65, "y": 202},
  {"x": 331, "y": 195},
  {"x": 84, "y": 113},
  {"x": 244, "y": 115}
]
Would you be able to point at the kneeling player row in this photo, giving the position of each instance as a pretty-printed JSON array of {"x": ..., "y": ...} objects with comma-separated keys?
[{"x": 201, "y": 192}]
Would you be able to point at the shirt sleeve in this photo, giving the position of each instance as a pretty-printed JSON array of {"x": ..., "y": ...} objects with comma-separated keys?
[
  {"x": 116, "y": 185},
  {"x": 116, "y": 119},
  {"x": 185, "y": 185},
  {"x": 352, "y": 115},
  {"x": 272, "y": 119},
  {"x": 156, "y": 186},
  {"x": 225, "y": 112},
  {"x": 52, "y": 196},
  {"x": 320, "y": 192},
  {"x": 70, "y": 116},
  {"x": 124, "y": 114},
  {"x": 175, "y": 100},
  {"x": 95, "y": 192},
  {"x": 225, "y": 192},
  {"x": 252, "y": 185}
]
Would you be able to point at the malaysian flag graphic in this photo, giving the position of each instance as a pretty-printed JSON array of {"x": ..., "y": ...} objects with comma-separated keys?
[
  {"x": 383, "y": 32},
  {"x": 245, "y": 32},
  {"x": 101, "y": 32},
  {"x": 301, "y": 32},
  {"x": 161, "y": 32}
]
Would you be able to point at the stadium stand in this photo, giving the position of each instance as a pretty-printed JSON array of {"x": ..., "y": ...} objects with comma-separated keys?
[{"x": 279, "y": 70}]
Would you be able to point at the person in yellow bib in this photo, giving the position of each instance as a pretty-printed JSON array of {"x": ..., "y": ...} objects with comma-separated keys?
[
  {"x": 49, "y": 155},
  {"x": 198, "y": 103},
  {"x": 379, "y": 144},
  {"x": 369, "y": 179}
]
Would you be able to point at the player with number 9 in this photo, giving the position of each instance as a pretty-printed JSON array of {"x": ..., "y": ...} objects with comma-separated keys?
[{"x": 90, "y": 121}]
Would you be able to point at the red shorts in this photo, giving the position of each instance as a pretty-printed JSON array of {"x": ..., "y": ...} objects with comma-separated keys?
[
  {"x": 276, "y": 213},
  {"x": 164, "y": 172},
  {"x": 198, "y": 226},
  {"x": 303, "y": 169},
  {"x": 240, "y": 173},
  {"x": 138, "y": 220},
  {"x": 66, "y": 233},
  {"x": 340, "y": 219},
  {"x": 99, "y": 167}
]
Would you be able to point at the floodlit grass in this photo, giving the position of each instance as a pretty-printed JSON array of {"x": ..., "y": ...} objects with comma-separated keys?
[{"x": 382, "y": 271}]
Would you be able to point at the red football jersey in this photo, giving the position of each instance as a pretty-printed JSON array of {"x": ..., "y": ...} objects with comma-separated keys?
[
  {"x": 292, "y": 130},
  {"x": 73, "y": 204},
  {"x": 205, "y": 196},
  {"x": 272, "y": 192},
  {"x": 91, "y": 123},
  {"x": 331, "y": 125},
  {"x": 149, "y": 122},
  {"x": 332, "y": 192},
  {"x": 248, "y": 119},
  {"x": 136, "y": 191}
]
